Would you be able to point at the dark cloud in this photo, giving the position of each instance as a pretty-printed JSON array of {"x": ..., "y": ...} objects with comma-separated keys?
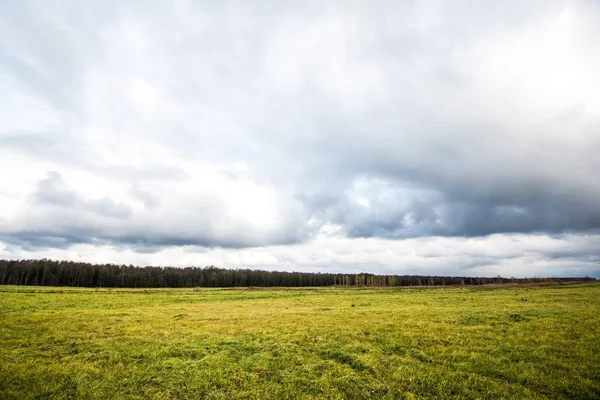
[{"x": 390, "y": 209}]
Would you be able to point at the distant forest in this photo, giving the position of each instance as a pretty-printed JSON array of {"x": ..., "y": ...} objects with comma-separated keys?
[{"x": 46, "y": 272}]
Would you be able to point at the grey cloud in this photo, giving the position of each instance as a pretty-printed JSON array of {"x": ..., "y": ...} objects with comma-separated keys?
[
  {"x": 398, "y": 120},
  {"x": 64, "y": 238},
  {"x": 53, "y": 190},
  {"x": 149, "y": 199},
  {"x": 57, "y": 216},
  {"x": 53, "y": 147},
  {"x": 50, "y": 46},
  {"x": 33, "y": 240}
]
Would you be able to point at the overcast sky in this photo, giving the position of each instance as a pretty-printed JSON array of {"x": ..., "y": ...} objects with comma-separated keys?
[{"x": 408, "y": 137}]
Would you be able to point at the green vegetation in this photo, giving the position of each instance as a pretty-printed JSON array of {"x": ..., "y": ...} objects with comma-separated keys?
[
  {"x": 44, "y": 272},
  {"x": 511, "y": 342}
]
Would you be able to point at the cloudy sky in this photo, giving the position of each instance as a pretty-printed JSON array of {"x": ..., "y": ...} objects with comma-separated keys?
[{"x": 409, "y": 137}]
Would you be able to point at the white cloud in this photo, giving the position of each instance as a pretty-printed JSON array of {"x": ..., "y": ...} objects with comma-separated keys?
[{"x": 505, "y": 255}]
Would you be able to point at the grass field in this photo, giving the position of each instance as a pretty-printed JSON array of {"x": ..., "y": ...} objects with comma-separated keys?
[{"x": 533, "y": 342}]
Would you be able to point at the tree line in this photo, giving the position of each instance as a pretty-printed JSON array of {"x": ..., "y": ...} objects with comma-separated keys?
[{"x": 45, "y": 272}]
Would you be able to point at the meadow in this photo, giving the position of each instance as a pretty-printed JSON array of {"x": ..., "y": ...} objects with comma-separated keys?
[{"x": 329, "y": 343}]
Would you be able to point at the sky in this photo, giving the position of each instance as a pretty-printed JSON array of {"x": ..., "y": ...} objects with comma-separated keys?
[{"x": 393, "y": 137}]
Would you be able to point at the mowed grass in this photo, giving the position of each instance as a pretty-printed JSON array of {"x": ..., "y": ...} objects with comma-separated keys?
[{"x": 534, "y": 342}]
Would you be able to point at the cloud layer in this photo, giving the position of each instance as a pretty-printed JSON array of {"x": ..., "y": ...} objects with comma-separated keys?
[{"x": 210, "y": 127}]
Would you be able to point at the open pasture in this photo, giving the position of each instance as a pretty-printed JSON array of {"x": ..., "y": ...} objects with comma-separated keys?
[{"x": 334, "y": 343}]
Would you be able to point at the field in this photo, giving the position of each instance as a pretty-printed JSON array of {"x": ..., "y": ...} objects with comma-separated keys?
[{"x": 335, "y": 343}]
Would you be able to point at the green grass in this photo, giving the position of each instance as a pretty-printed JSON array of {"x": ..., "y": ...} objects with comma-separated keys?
[{"x": 534, "y": 342}]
